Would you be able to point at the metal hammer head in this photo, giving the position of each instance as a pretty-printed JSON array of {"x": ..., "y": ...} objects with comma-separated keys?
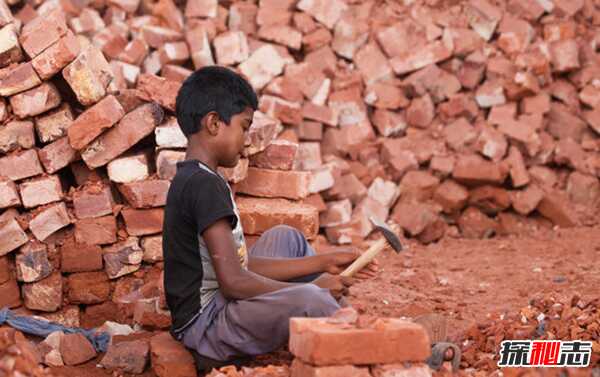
[{"x": 388, "y": 233}]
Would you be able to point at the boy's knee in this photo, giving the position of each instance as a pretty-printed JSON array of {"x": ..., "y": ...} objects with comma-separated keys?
[
  {"x": 314, "y": 301},
  {"x": 284, "y": 229}
]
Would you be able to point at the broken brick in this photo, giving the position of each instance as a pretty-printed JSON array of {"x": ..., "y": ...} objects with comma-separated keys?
[
  {"x": 11, "y": 235},
  {"x": 54, "y": 124},
  {"x": 88, "y": 287},
  {"x": 279, "y": 155},
  {"x": 41, "y": 191},
  {"x": 140, "y": 222},
  {"x": 145, "y": 194},
  {"x": 96, "y": 230},
  {"x": 9, "y": 197},
  {"x": 21, "y": 165},
  {"x": 35, "y": 101},
  {"x": 49, "y": 220},
  {"x": 56, "y": 57},
  {"x": 18, "y": 78},
  {"x": 285, "y": 184},
  {"x": 88, "y": 75},
  {"x": 94, "y": 121},
  {"x": 15, "y": 135},
  {"x": 45, "y": 295},
  {"x": 57, "y": 155},
  {"x": 42, "y": 32}
]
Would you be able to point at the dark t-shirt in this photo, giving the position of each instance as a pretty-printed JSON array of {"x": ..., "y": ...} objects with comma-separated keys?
[{"x": 197, "y": 198}]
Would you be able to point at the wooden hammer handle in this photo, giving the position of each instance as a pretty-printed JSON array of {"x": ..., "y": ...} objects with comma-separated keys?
[{"x": 365, "y": 258}]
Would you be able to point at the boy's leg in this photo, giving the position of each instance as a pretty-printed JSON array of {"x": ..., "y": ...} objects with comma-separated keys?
[
  {"x": 284, "y": 241},
  {"x": 261, "y": 324}
]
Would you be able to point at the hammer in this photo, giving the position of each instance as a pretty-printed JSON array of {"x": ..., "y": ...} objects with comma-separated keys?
[{"x": 389, "y": 237}]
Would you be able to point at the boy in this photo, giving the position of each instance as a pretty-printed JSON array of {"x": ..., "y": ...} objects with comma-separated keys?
[{"x": 226, "y": 302}]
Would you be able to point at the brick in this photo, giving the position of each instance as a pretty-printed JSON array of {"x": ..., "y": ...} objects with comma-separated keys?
[
  {"x": 130, "y": 168},
  {"x": 134, "y": 52},
  {"x": 140, "y": 222},
  {"x": 475, "y": 224},
  {"x": 32, "y": 264},
  {"x": 79, "y": 257},
  {"x": 309, "y": 79},
  {"x": 270, "y": 15},
  {"x": 132, "y": 128},
  {"x": 235, "y": 174},
  {"x": 174, "y": 53},
  {"x": 420, "y": 113},
  {"x": 158, "y": 89},
  {"x": 563, "y": 124},
  {"x": 258, "y": 215},
  {"x": 372, "y": 64},
  {"x": 321, "y": 180},
  {"x": 42, "y": 32},
  {"x": 57, "y": 155},
  {"x": 20, "y": 165},
  {"x": 489, "y": 199},
  {"x": 170, "y": 358},
  {"x": 401, "y": 370},
  {"x": 555, "y": 207},
  {"x": 262, "y": 131},
  {"x": 451, "y": 196},
  {"x": 56, "y": 57},
  {"x": 382, "y": 95},
  {"x": 35, "y": 101},
  {"x": 431, "y": 53},
  {"x": 300, "y": 369},
  {"x": 6, "y": 267},
  {"x": 145, "y": 194},
  {"x": 319, "y": 342},
  {"x": 123, "y": 258},
  {"x": 88, "y": 22},
  {"x": 526, "y": 201},
  {"x": 539, "y": 104},
  {"x": 11, "y": 235},
  {"x": 350, "y": 33},
  {"x": 129, "y": 6},
  {"x": 474, "y": 170},
  {"x": 582, "y": 188},
  {"x": 41, "y": 191},
  {"x": 418, "y": 185},
  {"x": 281, "y": 34},
  {"x": 279, "y": 155},
  {"x": 327, "y": 13},
  {"x": 94, "y": 200},
  {"x": 76, "y": 349},
  {"x": 316, "y": 39},
  {"x": 310, "y": 131},
  {"x": 6, "y": 15},
  {"x": 262, "y": 66},
  {"x": 242, "y": 17},
  {"x": 490, "y": 93},
  {"x": 45, "y": 295},
  {"x": 308, "y": 156},
  {"x": 286, "y": 184},
  {"x": 10, "y": 49},
  {"x": 385, "y": 192},
  {"x": 286, "y": 111},
  {"x": 175, "y": 73},
  {"x": 518, "y": 171},
  {"x": 200, "y": 50},
  {"x": 153, "y": 251},
  {"x": 337, "y": 213},
  {"x": 49, "y": 220},
  {"x": 88, "y": 288},
  {"x": 492, "y": 144},
  {"x": 231, "y": 48},
  {"x": 94, "y": 121},
  {"x": 9, "y": 197},
  {"x": 16, "y": 135},
  {"x": 18, "y": 78},
  {"x": 349, "y": 106},
  {"x": 96, "y": 231},
  {"x": 166, "y": 161},
  {"x": 54, "y": 124},
  {"x": 459, "y": 134},
  {"x": 201, "y": 8},
  {"x": 400, "y": 38},
  {"x": 565, "y": 55},
  {"x": 129, "y": 356},
  {"x": 10, "y": 296},
  {"x": 156, "y": 36},
  {"x": 88, "y": 75},
  {"x": 442, "y": 165},
  {"x": 318, "y": 113}
]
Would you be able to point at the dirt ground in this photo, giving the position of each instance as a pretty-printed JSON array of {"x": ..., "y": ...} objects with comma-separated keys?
[{"x": 467, "y": 280}]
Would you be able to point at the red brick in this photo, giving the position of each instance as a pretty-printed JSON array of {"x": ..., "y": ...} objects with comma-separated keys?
[
  {"x": 175, "y": 72},
  {"x": 174, "y": 53},
  {"x": 129, "y": 356},
  {"x": 319, "y": 113},
  {"x": 308, "y": 156},
  {"x": 309, "y": 78},
  {"x": 327, "y": 13},
  {"x": 442, "y": 165},
  {"x": 145, "y": 194},
  {"x": 156, "y": 36},
  {"x": 88, "y": 75},
  {"x": 16, "y": 135},
  {"x": 76, "y": 349},
  {"x": 350, "y": 33},
  {"x": 9, "y": 197},
  {"x": 57, "y": 155},
  {"x": 418, "y": 58},
  {"x": 140, "y": 222},
  {"x": 95, "y": 200},
  {"x": 385, "y": 96},
  {"x": 89, "y": 22},
  {"x": 490, "y": 93},
  {"x": 583, "y": 189},
  {"x": 565, "y": 55},
  {"x": 372, "y": 64},
  {"x": 21, "y": 165},
  {"x": 418, "y": 185},
  {"x": 459, "y": 134},
  {"x": 420, "y": 113},
  {"x": 18, "y": 78},
  {"x": 310, "y": 131},
  {"x": 404, "y": 369},
  {"x": 347, "y": 186},
  {"x": 41, "y": 191},
  {"x": 170, "y": 358},
  {"x": 489, "y": 199},
  {"x": 286, "y": 111},
  {"x": 10, "y": 49},
  {"x": 385, "y": 192},
  {"x": 319, "y": 342},
  {"x": 472, "y": 169},
  {"x": 236, "y": 174},
  {"x": 158, "y": 89},
  {"x": 475, "y": 224},
  {"x": 94, "y": 121},
  {"x": 527, "y": 200},
  {"x": 337, "y": 213},
  {"x": 122, "y": 258},
  {"x": 200, "y": 51},
  {"x": 49, "y": 220},
  {"x": 492, "y": 144},
  {"x": 35, "y": 101},
  {"x": 563, "y": 124},
  {"x": 42, "y": 32},
  {"x": 152, "y": 246},
  {"x": 88, "y": 288},
  {"x": 132, "y": 128},
  {"x": 96, "y": 231},
  {"x": 54, "y": 124},
  {"x": 281, "y": 34},
  {"x": 134, "y": 52},
  {"x": 242, "y": 17},
  {"x": 10, "y": 296},
  {"x": 555, "y": 207},
  {"x": 258, "y": 215},
  {"x": 262, "y": 66},
  {"x": 57, "y": 56},
  {"x": 300, "y": 369},
  {"x": 6, "y": 267},
  {"x": 6, "y": 15},
  {"x": 80, "y": 257},
  {"x": 130, "y": 168},
  {"x": 166, "y": 161},
  {"x": 279, "y": 155},
  {"x": 11, "y": 236},
  {"x": 285, "y": 184},
  {"x": 321, "y": 179},
  {"x": 31, "y": 263},
  {"x": 316, "y": 39},
  {"x": 201, "y": 8},
  {"x": 570, "y": 153},
  {"x": 45, "y": 295},
  {"x": 451, "y": 196},
  {"x": 518, "y": 171}
]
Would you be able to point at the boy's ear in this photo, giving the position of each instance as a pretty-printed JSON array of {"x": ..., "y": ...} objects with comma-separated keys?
[{"x": 211, "y": 123}]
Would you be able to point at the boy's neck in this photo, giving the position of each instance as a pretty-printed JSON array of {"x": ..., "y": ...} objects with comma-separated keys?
[{"x": 203, "y": 155}]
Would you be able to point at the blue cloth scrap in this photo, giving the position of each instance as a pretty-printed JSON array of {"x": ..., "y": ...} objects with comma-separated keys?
[{"x": 44, "y": 328}]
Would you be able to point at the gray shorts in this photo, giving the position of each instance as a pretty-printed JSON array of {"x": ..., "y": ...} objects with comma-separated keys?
[{"x": 230, "y": 329}]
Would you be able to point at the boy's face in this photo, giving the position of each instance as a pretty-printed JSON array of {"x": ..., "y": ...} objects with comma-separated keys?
[{"x": 233, "y": 137}]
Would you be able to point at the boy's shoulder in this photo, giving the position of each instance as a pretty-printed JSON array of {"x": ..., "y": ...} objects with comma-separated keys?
[{"x": 192, "y": 177}]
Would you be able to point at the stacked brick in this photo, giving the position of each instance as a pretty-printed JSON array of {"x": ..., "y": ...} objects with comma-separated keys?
[{"x": 470, "y": 118}]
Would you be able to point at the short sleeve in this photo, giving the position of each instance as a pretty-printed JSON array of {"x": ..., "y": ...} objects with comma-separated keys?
[{"x": 208, "y": 201}]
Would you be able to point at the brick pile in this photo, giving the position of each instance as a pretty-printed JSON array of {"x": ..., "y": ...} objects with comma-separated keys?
[
  {"x": 461, "y": 118},
  {"x": 547, "y": 317}
]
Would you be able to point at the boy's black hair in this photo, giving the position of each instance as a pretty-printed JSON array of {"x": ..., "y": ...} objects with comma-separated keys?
[{"x": 212, "y": 88}]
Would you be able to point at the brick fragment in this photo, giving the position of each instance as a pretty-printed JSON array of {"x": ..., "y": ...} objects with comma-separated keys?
[
  {"x": 418, "y": 185},
  {"x": 273, "y": 16},
  {"x": 279, "y": 155},
  {"x": 319, "y": 342},
  {"x": 140, "y": 222},
  {"x": 21, "y": 165},
  {"x": 492, "y": 144},
  {"x": 57, "y": 155},
  {"x": 18, "y": 78},
  {"x": 96, "y": 231},
  {"x": 42, "y": 32},
  {"x": 518, "y": 171},
  {"x": 475, "y": 224},
  {"x": 350, "y": 33},
  {"x": 45, "y": 295},
  {"x": 145, "y": 194},
  {"x": 401, "y": 370},
  {"x": 11, "y": 235},
  {"x": 201, "y": 8},
  {"x": 32, "y": 264},
  {"x": 9, "y": 197},
  {"x": 88, "y": 288},
  {"x": 563, "y": 124},
  {"x": 327, "y": 13},
  {"x": 555, "y": 207},
  {"x": 158, "y": 89},
  {"x": 582, "y": 188},
  {"x": 94, "y": 121},
  {"x": 122, "y": 258},
  {"x": 35, "y": 101},
  {"x": 94, "y": 200},
  {"x": 310, "y": 131},
  {"x": 174, "y": 53},
  {"x": 421, "y": 112},
  {"x": 56, "y": 57},
  {"x": 166, "y": 161},
  {"x": 459, "y": 134},
  {"x": 129, "y": 356},
  {"x": 489, "y": 199},
  {"x": 10, "y": 49},
  {"x": 299, "y": 368},
  {"x": 49, "y": 220},
  {"x": 372, "y": 64},
  {"x": 76, "y": 349},
  {"x": 385, "y": 192},
  {"x": 15, "y": 135},
  {"x": 490, "y": 93},
  {"x": 262, "y": 66},
  {"x": 286, "y": 111},
  {"x": 88, "y": 75},
  {"x": 79, "y": 257},
  {"x": 431, "y": 53},
  {"x": 565, "y": 55},
  {"x": 337, "y": 213},
  {"x": 258, "y": 215},
  {"x": 134, "y": 52},
  {"x": 527, "y": 200},
  {"x": 130, "y": 168},
  {"x": 152, "y": 247},
  {"x": 54, "y": 124},
  {"x": 285, "y": 184},
  {"x": 133, "y": 127},
  {"x": 231, "y": 48},
  {"x": 40, "y": 191},
  {"x": 262, "y": 131},
  {"x": 170, "y": 358},
  {"x": 88, "y": 22},
  {"x": 309, "y": 79},
  {"x": 156, "y": 36},
  {"x": 200, "y": 50},
  {"x": 451, "y": 196},
  {"x": 10, "y": 296},
  {"x": 242, "y": 17},
  {"x": 308, "y": 156},
  {"x": 385, "y": 96},
  {"x": 472, "y": 169}
]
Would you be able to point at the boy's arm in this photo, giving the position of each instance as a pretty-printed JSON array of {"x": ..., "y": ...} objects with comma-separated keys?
[{"x": 285, "y": 269}]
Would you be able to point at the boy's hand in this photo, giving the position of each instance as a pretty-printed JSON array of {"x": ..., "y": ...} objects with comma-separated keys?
[
  {"x": 337, "y": 285},
  {"x": 337, "y": 262}
]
